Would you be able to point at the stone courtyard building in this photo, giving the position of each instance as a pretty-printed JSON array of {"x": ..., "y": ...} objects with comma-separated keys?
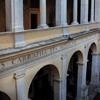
[{"x": 49, "y": 49}]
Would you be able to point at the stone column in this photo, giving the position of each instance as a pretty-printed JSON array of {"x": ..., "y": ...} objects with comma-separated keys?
[
  {"x": 95, "y": 69},
  {"x": 14, "y": 15},
  {"x": 84, "y": 11},
  {"x": 57, "y": 89},
  {"x": 81, "y": 82},
  {"x": 92, "y": 11},
  {"x": 20, "y": 85},
  {"x": 75, "y": 10},
  {"x": 97, "y": 11},
  {"x": 63, "y": 77},
  {"x": 61, "y": 12},
  {"x": 14, "y": 20},
  {"x": 43, "y": 14}
]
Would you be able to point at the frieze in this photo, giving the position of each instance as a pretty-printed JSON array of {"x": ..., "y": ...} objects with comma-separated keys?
[{"x": 42, "y": 53}]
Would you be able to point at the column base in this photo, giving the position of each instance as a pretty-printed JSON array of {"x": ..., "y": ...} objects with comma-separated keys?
[
  {"x": 19, "y": 40},
  {"x": 64, "y": 24},
  {"x": 18, "y": 29},
  {"x": 74, "y": 23},
  {"x": 43, "y": 26},
  {"x": 92, "y": 21},
  {"x": 87, "y": 28}
]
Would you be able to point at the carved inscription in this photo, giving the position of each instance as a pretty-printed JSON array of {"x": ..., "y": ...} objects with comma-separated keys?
[
  {"x": 39, "y": 54},
  {"x": 27, "y": 58}
]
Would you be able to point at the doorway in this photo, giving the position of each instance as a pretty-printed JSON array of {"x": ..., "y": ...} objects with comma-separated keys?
[{"x": 33, "y": 21}]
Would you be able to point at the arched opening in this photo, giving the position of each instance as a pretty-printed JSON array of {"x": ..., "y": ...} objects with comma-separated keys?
[
  {"x": 92, "y": 49},
  {"x": 51, "y": 12},
  {"x": 89, "y": 67},
  {"x": 70, "y": 11},
  {"x": 43, "y": 86},
  {"x": 72, "y": 77},
  {"x": 2, "y": 16},
  {"x": 4, "y": 96}
]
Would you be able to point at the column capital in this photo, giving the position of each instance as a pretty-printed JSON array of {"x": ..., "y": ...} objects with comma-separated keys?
[
  {"x": 19, "y": 74},
  {"x": 64, "y": 56},
  {"x": 95, "y": 54}
]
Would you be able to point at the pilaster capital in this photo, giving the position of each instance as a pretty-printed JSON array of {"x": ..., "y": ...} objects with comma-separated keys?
[
  {"x": 95, "y": 54},
  {"x": 19, "y": 74},
  {"x": 64, "y": 56},
  {"x": 57, "y": 80}
]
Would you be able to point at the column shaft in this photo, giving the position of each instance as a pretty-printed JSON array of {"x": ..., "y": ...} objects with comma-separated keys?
[
  {"x": 95, "y": 70},
  {"x": 92, "y": 11},
  {"x": 57, "y": 89},
  {"x": 97, "y": 11},
  {"x": 84, "y": 11},
  {"x": 81, "y": 82},
  {"x": 43, "y": 14},
  {"x": 75, "y": 10},
  {"x": 14, "y": 15},
  {"x": 61, "y": 12}
]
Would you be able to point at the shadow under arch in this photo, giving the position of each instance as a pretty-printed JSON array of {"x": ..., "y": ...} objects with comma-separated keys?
[
  {"x": 44, "y": 85},
  {"x": 4, "y": 96},
  {"x": 72, "y": 75}
]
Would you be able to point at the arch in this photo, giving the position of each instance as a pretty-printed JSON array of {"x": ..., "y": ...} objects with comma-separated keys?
[
  {"x": 4, "y": 96},
  {"x": 73, "y": 74},
  {"x": 44, "y": 83},
  {"x": 79, "y": 54},
  {"x": 92, "y": 50}
]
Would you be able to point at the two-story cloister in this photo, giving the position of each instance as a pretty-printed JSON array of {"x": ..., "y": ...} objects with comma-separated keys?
[{"x": 49, "y": 49}]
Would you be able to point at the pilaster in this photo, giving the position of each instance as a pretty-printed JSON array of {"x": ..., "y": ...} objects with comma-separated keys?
[
  {"x": 57, "y": 89},
  {"x": 20, "y": 85},
  {"x": 14, "y": 15},
  {"x": 63, "y": 77}
]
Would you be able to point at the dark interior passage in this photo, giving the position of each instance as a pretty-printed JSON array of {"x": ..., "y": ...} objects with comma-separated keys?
[
  {"x": 72, "y": 78},
  {"x": 89, "y": 67},
  {"x": 4, "y": 96},
  {"x": 42, "y": 86}
]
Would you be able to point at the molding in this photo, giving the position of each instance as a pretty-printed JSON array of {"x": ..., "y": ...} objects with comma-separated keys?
[
  {"x": 35, "y": 55},
  {"x": 19, "y": 74}
]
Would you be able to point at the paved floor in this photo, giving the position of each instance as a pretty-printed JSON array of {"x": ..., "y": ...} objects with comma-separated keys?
[{"x": 97, "y": 97}]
